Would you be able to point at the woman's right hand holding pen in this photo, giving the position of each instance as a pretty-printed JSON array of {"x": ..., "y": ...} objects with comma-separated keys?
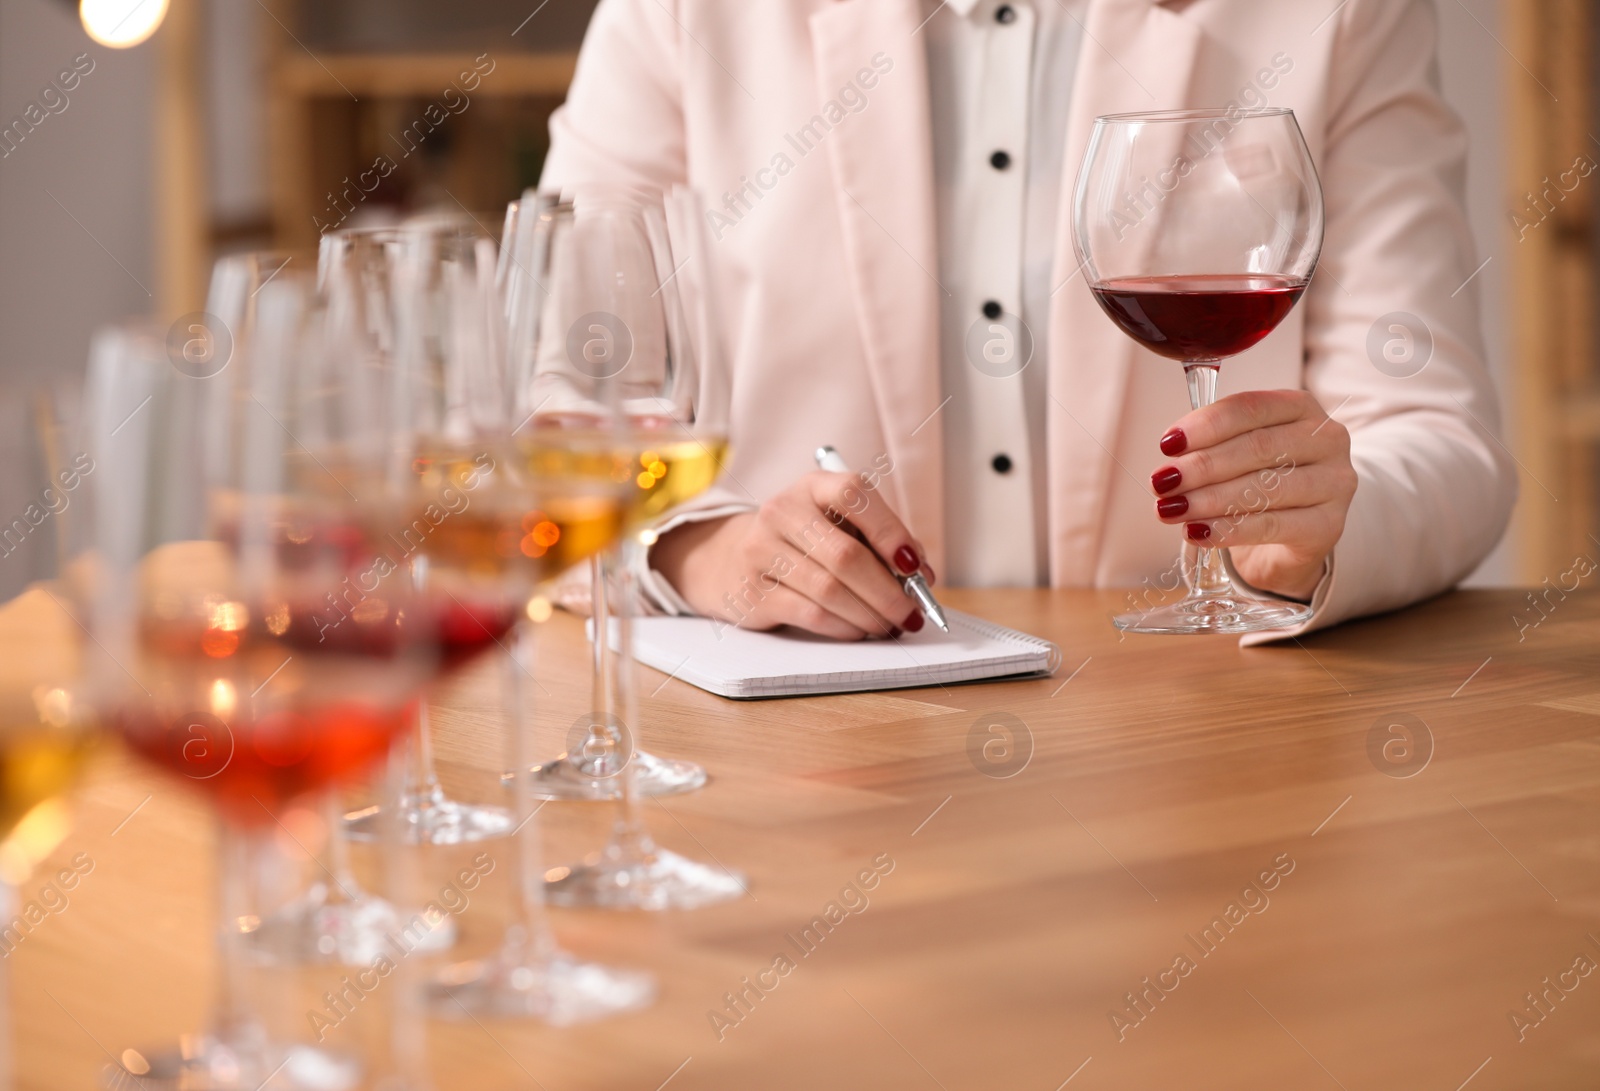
[{"x": 794, "y": 561}]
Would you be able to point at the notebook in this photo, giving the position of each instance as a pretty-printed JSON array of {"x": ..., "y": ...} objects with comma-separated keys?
[{"x": 734, "y": 662}]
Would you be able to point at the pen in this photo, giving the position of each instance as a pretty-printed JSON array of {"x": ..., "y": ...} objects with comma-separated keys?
[{"x": 915, "y": 586}]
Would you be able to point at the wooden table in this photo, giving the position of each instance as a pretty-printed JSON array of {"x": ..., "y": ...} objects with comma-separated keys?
[{"x": 1407, "y": 921}]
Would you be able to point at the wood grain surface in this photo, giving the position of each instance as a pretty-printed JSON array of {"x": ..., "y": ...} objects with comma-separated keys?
[{"x": 1370, "y": 929}]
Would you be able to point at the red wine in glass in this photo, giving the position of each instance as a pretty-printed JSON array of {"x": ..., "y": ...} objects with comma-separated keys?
[
  {"x": 1198, "y": 272},
  {"x": 1204, "y": 316}
]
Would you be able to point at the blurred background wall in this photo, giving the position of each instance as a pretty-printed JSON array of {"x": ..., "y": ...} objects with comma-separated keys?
[{"x": 86, "y": 236}]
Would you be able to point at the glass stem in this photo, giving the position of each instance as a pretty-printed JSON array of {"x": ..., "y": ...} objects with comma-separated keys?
[
  {"x": 630, "y": 840},
  {"x": 530, "y": 927},
  {"x": 602, "y": 738},
  {"x": 344, "y": 889},
  {"x": 422, "y": 779},
  {"x": 233, "y": 1020},
  {"x": 404, "y": 1065},
  {"x": 1207, "y": 575},
  {"x": 8, "y": 908}
]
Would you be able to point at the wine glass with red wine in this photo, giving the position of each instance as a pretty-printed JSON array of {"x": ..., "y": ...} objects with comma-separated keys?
[{"x": 1198, "y": 231}]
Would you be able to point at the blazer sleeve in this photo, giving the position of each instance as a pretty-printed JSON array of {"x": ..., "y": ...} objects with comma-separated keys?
[
  {"x": 1392, "y": 344},
  {"x": 623, "y": 119},
  {"x": 623, "y": 123}
]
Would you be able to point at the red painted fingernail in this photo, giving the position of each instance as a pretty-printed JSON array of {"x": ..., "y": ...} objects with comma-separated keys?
[
  {"x": 1170, "y": 507},
  {"x": 1198, "y": 532},
  {"x": 913, "y": 624},
  {"x": 1174, "y": 442},
  {"x": 1166, "y": 479},
  {"x": 905, "y": 558}
]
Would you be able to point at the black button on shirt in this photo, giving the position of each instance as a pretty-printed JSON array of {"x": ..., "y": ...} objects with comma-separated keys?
[
  {"x": 1005, "y": 14},
  {"x": 992, "y": 310},
  {"x": 1000, "y": 160},
  {"x": 1001, "y": 464}
]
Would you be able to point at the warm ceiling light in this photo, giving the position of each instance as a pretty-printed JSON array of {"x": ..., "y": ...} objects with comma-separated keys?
[{"x": 121, "y": 24}]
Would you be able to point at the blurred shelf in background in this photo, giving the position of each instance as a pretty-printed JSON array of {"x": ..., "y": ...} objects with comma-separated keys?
[{"x": 370, "y": 110}]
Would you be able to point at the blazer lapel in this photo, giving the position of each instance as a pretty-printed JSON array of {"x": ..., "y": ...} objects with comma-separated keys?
[
  {"x": 882, "y": 165},
  {"x": 1136, "y": 55}
]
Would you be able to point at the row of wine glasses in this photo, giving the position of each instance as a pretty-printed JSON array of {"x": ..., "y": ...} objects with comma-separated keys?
[
  {"x": 369, "y": 496},
  {"x": 293, "y": 552}
]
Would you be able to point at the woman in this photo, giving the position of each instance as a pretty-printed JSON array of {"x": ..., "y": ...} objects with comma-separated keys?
[{"x": 885, "y": 175}]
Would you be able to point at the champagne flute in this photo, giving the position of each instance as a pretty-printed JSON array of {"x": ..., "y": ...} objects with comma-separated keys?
[
  {"x": 1198, "y": 231},
  {"x": 625, "y": 300}
]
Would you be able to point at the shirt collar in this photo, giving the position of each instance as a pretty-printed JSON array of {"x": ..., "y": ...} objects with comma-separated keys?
[{"x": 962, "y": 8}]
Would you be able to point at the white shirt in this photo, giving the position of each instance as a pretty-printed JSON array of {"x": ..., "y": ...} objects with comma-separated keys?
[{"x": 1000, "y": 77}]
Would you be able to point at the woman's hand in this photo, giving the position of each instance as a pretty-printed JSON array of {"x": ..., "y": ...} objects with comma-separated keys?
[
  {"x": 793, "y": 562},
  {"x": 1267, "y": 474}
]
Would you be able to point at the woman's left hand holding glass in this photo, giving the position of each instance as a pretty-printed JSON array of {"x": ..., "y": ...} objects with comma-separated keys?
[{"x": 1267, "y": 474}]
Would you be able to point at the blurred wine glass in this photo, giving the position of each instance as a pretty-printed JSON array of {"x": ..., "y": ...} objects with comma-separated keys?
[
  {"x": 228, "y": 668},
  {"x": 47, "y": 731},
  {"x": 334, "y": 919},
  {"x": 360, "y": 272},
  {"x": 501, "y": 529}
]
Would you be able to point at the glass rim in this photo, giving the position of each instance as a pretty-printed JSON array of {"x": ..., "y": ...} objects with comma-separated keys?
[{"x": 1209, "y": 113}]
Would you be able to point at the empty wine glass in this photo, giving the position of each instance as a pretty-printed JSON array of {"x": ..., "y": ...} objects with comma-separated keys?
[{"x": 1198, "y": 231}]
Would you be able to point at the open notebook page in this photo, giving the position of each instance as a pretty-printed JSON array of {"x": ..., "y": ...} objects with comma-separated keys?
[{"x": 734, "y": 662}]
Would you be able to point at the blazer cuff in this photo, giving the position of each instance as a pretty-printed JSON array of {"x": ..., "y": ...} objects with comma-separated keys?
[
  {"x": 1319, "y": 602},
  {"x": 659, "y": 596}
]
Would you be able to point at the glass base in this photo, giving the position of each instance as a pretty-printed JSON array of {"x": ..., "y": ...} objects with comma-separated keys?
[
  {"x": 439, "y": 821},
  {"x": 662, "y": 880},
  {"x": 578, "y": 777},
  {"x": 202, "y": 1063},
  {"x": 1226, "y": 613},
  {"x": 351, "y": 931},
  {"x": 558, "y": 990}
]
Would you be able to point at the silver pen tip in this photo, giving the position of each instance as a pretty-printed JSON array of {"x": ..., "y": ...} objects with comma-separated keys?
[{"x": 917, "y": 588}]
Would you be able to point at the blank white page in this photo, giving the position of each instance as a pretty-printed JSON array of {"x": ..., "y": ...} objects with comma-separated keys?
[{"x": 734, "y": 662}]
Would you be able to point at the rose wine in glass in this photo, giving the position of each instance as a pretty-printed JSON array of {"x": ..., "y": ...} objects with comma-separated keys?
[
  {"x": 206, "y": 675},
  {"x": 1198, "y": 231}
]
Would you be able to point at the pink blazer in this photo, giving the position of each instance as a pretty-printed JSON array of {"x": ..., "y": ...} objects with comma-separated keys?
[{"x": 824, "y": 243}]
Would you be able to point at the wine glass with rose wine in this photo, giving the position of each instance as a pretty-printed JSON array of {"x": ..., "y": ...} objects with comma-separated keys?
[
  {"x": 357, "y": 271},
  {"x": 223, "y": 672},
  {"x": 1198, "y": 231},
  {"x": 333, "y": 918}
]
